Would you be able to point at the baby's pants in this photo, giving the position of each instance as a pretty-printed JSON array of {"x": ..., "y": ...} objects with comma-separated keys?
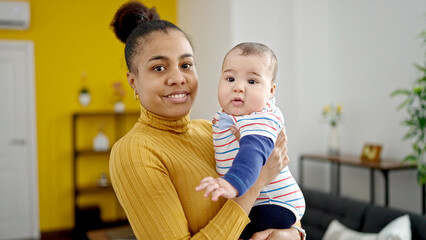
[{"x": 263, "y": 217}]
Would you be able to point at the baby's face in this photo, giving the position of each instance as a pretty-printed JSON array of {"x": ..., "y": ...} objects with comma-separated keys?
[{"x": 245, "y": 84}]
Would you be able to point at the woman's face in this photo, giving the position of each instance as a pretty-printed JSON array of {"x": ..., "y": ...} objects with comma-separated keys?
[{"x": 166, "y": 80}]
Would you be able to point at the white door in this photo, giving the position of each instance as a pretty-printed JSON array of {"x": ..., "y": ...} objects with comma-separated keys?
[{"x": 19, "y": 217}]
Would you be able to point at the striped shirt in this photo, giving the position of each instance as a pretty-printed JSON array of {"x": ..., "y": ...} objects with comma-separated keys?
[{"x": 264, "y": 125}]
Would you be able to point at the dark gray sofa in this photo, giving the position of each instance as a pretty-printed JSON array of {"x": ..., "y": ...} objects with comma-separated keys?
[{"x": 322, "y": 208}]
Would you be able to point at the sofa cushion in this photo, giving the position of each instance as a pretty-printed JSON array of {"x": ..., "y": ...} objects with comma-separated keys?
[
  {"x": 399, "y": 228},
  {"x": 322, "y": 208},
  {"x": 377, "y": 217}
]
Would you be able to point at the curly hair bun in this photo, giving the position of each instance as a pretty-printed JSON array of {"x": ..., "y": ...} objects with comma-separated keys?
[{"x": 130, "y": 15}]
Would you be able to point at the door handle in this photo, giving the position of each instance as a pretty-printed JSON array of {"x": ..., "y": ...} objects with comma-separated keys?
[{"x": 17, "y": 142}]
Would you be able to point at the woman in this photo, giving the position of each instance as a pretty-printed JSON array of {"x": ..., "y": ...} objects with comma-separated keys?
[{"x": 157, "y": 165}]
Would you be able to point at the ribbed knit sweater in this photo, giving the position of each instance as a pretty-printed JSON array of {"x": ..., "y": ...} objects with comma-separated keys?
[{"x": 154, "y": 171}]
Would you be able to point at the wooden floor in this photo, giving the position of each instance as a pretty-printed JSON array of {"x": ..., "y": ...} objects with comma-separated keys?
[
  {"x": 60, "y": 235},
  {"x": 115, "y": 233}
]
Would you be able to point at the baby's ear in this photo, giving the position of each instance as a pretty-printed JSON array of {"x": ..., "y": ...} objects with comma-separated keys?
[{"x": 273, "y": 88}]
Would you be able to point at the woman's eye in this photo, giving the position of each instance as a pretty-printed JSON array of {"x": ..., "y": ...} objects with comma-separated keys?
[
  {"x": 230, "y": 79},
  {"x": 251, "y": 81},
  {"x": 159, "y": 68},
  {"x": 186, "y": 66}
]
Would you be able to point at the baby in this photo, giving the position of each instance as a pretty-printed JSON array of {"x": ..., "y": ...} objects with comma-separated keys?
[{"x": 246, "y": 95}]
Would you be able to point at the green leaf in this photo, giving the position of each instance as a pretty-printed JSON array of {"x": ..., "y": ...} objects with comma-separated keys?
[
  {"x": 421, "y": 173},
  {"x": 421, "y": 79},
  {"x": 410, "y": 159},
  {"x": 408, "y": 135},
  {"x": 403, "y": 104},
  {"x": 415, "y": 147},
  {"x": 419, "y": 152},
  {"x": 401, "y": 92},
  {"x": 409, "y": 122},
  {"x": 422, "y": 122},
  {"x": 423, "y": 69},
  {"x": 421, "y": 178},
  {"x": 418, "y": 90}
]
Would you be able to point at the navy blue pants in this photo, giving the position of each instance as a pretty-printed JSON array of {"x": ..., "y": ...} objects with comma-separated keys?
[{"x": 268, "y": 216}]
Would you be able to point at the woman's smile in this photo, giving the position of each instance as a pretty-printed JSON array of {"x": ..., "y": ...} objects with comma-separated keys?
[{"x": 180, "y": 96}]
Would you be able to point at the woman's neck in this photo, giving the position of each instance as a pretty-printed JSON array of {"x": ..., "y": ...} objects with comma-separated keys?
[{"x": 178, "y": 125}]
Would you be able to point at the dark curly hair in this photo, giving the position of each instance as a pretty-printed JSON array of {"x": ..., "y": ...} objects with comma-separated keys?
[{"x": 133, "y": 23}]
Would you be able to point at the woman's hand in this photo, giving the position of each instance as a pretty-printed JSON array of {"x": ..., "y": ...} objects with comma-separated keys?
[
  {"x": 235, "y": 131},
  {"x": 277, "y": 234},
  {"x": 276, "y": 162}
]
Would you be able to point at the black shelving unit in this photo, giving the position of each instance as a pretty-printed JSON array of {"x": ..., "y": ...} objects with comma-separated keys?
[{"x": 88, "y": 217}]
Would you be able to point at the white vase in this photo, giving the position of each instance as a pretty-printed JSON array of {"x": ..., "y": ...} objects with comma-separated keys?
[
  {"x": 119, "y": 107},
  {"x": 333, "y": 142},
  {"x": 101, "y": 142},
  {"x": 84, "y": 98}
]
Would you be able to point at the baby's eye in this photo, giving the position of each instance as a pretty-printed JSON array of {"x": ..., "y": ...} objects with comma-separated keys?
[
  {"x": 251, "y": 81},
  {"x": 230, "y": 79},
  {"x": 159, "y": 68},
  {"x": 186, "y": 66}
]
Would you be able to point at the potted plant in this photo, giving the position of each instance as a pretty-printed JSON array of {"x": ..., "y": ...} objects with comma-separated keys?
[
  {"x": 84, "y": 94},
  {"x": 415, "y": 106}
]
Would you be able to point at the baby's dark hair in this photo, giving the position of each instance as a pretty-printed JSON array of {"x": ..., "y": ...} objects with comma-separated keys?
[
  {"x": 258, "y": 49},
  {"x": 133, "y": 23}
]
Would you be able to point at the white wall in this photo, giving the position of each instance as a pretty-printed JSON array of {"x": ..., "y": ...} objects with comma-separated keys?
[
  {"x": 208, "y": 25},
  {"x": 329, "y": 51},
  {"x": 368, "y": 48}
]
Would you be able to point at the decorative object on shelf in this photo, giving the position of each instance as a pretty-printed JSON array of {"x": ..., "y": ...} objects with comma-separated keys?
[
  {"x": 84, "y": 97},
  {"x": 103, "y": 180},
  {"x": 84, "y": 94},
  {"x": 119, "y": 93},
  {"x": 371, "y": 152},
  {"x": 333, "y": 141},
  {"x": 100, "y": 142},
  {"x": 415, "y": 106},
  {"x": 333, "y": 115},
  {"x": 119, "y": 107}
]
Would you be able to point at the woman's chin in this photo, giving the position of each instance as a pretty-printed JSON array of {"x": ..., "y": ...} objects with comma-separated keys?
[{"x": 178, "y": 110}]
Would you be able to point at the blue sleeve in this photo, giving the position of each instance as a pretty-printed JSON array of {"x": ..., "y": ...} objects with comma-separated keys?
[{"x": 253, "y": 153}]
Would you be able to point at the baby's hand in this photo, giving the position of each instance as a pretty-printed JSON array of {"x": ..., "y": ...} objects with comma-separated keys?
[{"x": 217, "y": 187}]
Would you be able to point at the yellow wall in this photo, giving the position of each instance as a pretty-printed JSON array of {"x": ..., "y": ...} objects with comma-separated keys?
[{"x": 71, "y": 37}]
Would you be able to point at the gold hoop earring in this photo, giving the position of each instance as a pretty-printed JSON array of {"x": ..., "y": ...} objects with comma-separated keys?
[{"x": 135, "y": 95}]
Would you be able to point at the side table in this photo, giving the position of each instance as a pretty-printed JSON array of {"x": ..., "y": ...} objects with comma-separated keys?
[{"x": 384, "y": 166}]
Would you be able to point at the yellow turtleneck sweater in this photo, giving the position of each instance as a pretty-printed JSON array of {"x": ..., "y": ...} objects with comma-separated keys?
[{"x": 154, "y": 171}]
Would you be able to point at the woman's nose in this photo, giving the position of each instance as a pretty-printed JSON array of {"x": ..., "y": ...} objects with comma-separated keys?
[{"x": 176, "y": 77}]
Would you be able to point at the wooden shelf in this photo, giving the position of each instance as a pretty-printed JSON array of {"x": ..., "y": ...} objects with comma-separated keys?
[
  {"x": 354, "y": 160},
  {"x": 83, "y": 119},
  {"x": 93, "y": 189},
  {"x": 91, "y": 152}
]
